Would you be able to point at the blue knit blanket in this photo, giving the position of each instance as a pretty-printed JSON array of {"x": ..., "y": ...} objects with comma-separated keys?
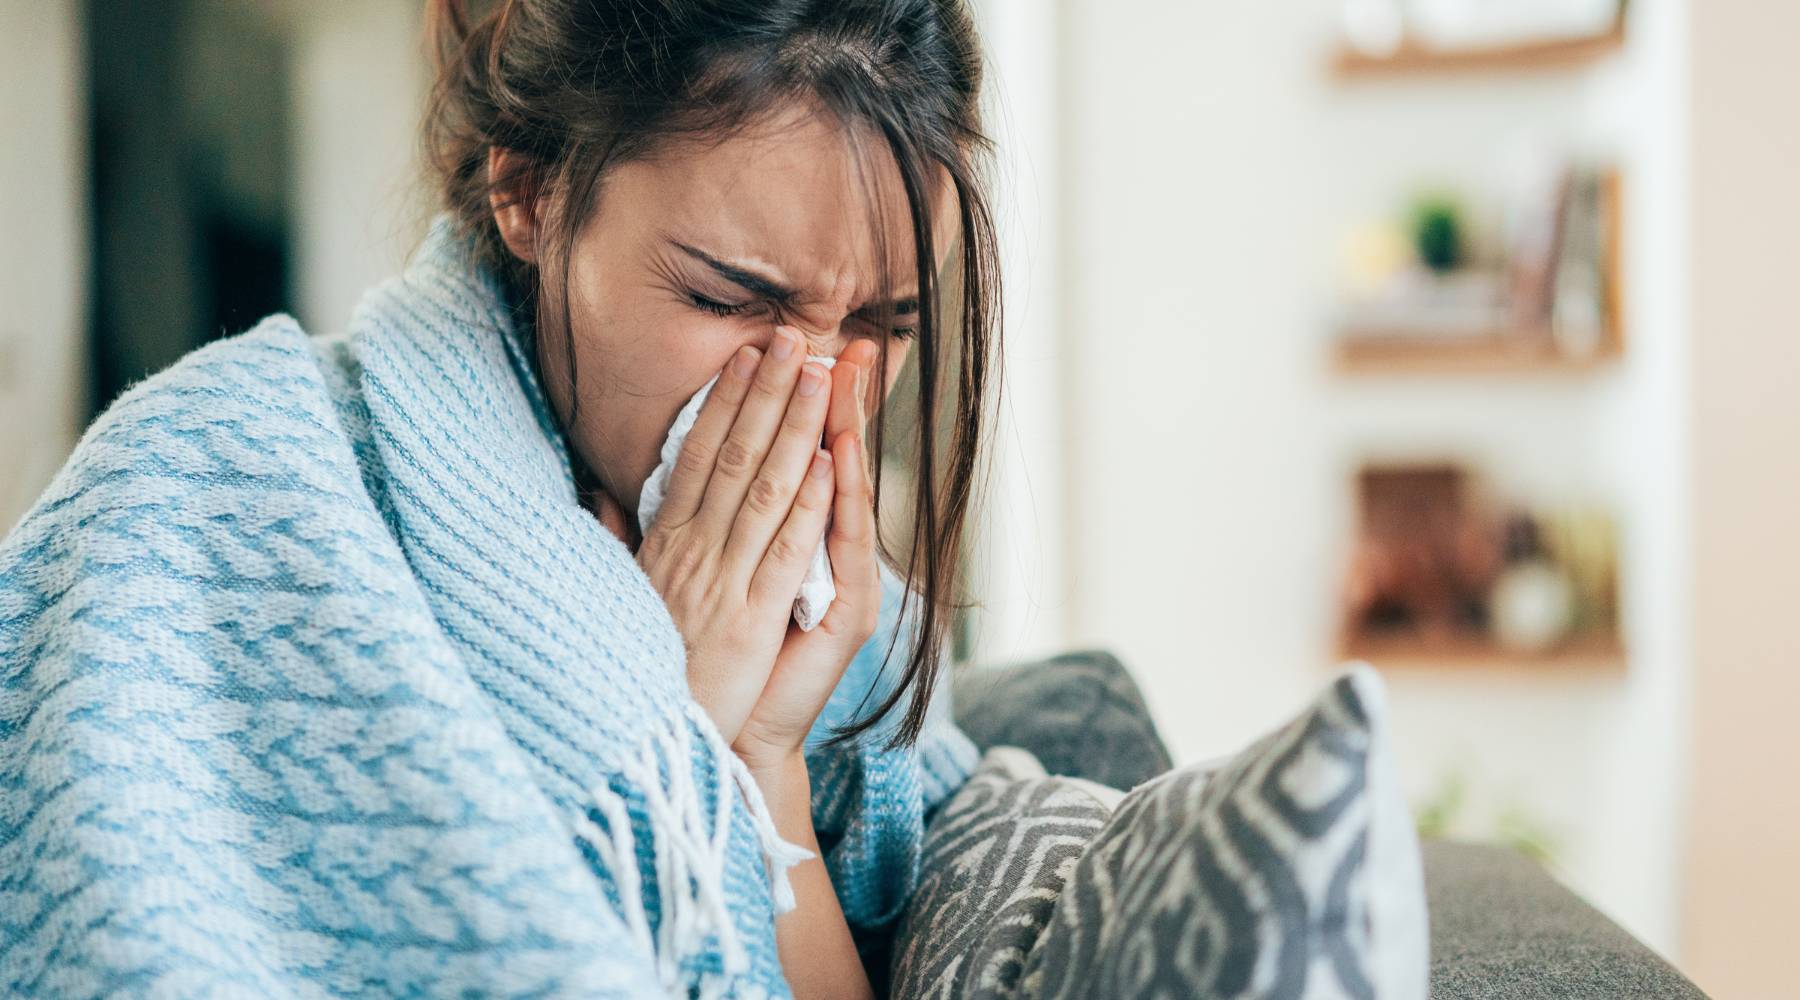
[{"x": 315, "y": 679}]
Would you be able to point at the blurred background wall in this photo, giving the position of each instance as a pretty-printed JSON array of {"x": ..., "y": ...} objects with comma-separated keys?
[
  {"x": 172, "y": 172},
  {"x": 1195, "y": 198},
  {"x": 44, "y": 241},
  {"x": 1215, "y": 165},
  {"x": 1743, "y": 821}
]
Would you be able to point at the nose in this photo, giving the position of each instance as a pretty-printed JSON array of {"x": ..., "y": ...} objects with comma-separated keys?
[{"x": 821, "y": 340}]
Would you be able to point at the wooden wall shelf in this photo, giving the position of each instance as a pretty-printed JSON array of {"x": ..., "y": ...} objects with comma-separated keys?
[
  {"x": 1417, "y": 58},
  {"x": 1496, "y": 354},
  {"x": 1590, "y": 654}
]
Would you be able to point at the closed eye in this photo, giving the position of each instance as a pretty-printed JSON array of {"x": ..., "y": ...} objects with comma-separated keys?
[
  {"x": 719, "y": 308},
  {"x": 906, "y": 331},
  {"x": 907, "y": 326}
]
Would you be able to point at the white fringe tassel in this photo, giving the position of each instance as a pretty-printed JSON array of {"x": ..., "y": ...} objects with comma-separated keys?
[
  {"x": 690, "y": 851},
  {"x": 778, "y": 855}
]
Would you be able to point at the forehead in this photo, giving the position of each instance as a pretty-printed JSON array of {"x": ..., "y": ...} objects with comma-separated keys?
[{"x": 796, "y": 193}]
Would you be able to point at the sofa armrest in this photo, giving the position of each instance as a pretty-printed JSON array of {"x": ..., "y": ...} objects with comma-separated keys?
[
  {"x": 1502, "y": 928},
  {"x": 1080, "y": 714}
]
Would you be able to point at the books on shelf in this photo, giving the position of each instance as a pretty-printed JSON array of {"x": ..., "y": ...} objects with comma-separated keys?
[{"x": 1549, "y": 293}]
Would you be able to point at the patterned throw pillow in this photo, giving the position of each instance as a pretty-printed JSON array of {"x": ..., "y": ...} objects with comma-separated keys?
[
  {"x": 1078, "y": 713},
  {"x": 1291, "y": 871},
  {"x": 996, "y": 857}
]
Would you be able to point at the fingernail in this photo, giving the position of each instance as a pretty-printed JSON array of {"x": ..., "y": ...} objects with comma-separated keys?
[
  {"x": 811, "y": 377},
  {"x": 784, "y": 344},
  {"x": 743, "y": 364},
  {"x": 821, "y": 464}
]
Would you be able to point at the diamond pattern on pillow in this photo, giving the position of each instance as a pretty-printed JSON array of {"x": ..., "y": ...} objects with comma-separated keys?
[
  {"x": 1291, "y": 871},
  {"x": 996, "y": 857}
]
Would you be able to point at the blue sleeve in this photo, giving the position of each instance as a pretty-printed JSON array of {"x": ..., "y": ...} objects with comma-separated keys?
[{"x": 869, "y": 803}]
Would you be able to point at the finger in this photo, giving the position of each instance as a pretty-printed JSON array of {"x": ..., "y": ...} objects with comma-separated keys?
[
  {"x": 694, "y": 467},
  {"x": 846, "y": 384},
  {"x": 851, "y": 541},
  {"x": 772, "y": 493},
  {"x": 783, "y": 565},
  {"x": 758, "y": 418},
  {"x": 867, "y": 355}
]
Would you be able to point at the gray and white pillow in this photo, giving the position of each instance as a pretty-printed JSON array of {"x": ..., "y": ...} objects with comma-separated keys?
[
  {"x": 996, "y": 856},
  {"x": 1079, "y": 713},
  {"x": 1291, "y": 871}
]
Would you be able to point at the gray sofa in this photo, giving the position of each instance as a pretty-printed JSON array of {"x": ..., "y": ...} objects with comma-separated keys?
[{"x": 1501, "y": 927}]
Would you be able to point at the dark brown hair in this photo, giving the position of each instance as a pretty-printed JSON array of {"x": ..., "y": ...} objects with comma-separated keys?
[{"x": 578, "y": 86}]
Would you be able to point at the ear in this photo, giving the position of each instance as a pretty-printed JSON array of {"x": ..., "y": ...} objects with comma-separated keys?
[{"x": 514, "y": 212}]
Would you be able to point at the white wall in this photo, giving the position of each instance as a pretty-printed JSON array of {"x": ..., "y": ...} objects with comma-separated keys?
[
  {"x": 43, "y": 246},
  {"x": 360, "y": 79},
  {"x": 1743, "y": 874},
  {"x": 1211, "y": 167},
  {"x": 1021, "y": 580},
  {"x": 1199, "y": 493}
]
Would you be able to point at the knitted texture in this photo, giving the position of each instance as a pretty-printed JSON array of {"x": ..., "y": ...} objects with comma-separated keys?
[{"x": 316, "y": 679}]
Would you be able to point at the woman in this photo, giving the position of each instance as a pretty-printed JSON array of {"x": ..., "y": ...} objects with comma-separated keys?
[{"x": 345, "y": 665}]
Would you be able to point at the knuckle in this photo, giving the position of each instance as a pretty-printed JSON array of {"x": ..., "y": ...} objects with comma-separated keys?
[
  {"x": 855, "y": 530},
  {"x": 800, "y": 417},
  {"x": 855, "y": 627},
  {"x": 733, "y": 387},
  {"x": 688, "y": 562},
  {"x": 769, "y": 389},
  {"x": 765, "y": 495},
  {"x": 814, "y": 494},
  {"x": 736, "y": 457},
  {"x": 862, "y": 519},
  {"x": 693, "y": 461},
  {"x": 650, "y": 550},
  {"x": 783, "y": 550}
]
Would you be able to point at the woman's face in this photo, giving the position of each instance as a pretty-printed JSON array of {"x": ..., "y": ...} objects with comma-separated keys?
[{"x": 690, "y": 255}]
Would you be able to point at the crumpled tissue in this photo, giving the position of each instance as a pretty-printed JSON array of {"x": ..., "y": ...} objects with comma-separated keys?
[{"x": 817, "y": 589}]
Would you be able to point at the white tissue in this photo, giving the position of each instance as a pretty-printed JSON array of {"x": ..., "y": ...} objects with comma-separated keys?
[{"x": 817, "y": 590}]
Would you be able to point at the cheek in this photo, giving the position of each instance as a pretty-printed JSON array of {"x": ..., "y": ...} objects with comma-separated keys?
[
  {"x": 638, "y": 362},
  {"x": 643, "y": 347}
]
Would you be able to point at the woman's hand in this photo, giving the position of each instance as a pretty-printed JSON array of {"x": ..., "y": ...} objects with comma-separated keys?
[
  {"x": 747, "y": 504},
  {"x": 810, "y": 664}
]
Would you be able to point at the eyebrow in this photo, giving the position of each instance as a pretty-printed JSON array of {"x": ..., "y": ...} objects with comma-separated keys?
[
  {"x": 763, "y": 286},
  {"x": 757, "y": 284}
]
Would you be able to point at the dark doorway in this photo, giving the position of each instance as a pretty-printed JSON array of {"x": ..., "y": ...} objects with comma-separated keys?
[{"x": 191, "y": 178}]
